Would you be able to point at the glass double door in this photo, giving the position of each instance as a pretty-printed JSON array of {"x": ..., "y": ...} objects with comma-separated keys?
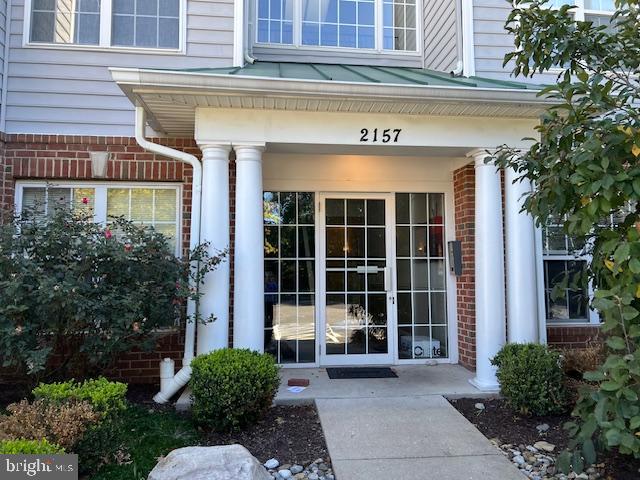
[{"x": 357, "y": 293}]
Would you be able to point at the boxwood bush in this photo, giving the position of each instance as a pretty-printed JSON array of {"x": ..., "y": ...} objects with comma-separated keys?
[
  {"x": 531, "y": 378},
  {"x": 105, "y": 397},
  {"x": 232, "y": 388},
  {"x": 29, "y": 447}
]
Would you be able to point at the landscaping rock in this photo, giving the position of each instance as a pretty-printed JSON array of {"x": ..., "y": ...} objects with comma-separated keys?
[
  {"x": 480, "y": 406},
  {"x": 545, "y": 446},
  {"x": 543, "y": 427},
  {"x": 272, "y": 463},
  {"x": 295, "y": 469},
  {"x": 536, "y": 464},
  {"x": 228, "y": 462}
]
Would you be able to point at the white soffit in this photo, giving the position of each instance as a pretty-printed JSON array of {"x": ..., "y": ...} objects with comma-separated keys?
[{"x": 171, "y": 97}]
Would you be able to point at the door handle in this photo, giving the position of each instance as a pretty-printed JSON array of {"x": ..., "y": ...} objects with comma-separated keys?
[{"x": 388, "y": 280}]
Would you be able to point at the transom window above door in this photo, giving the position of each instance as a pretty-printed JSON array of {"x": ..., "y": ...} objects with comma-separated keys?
[
  {"x": 105, "y": 23},
  {"x": 379, "y": 25}
]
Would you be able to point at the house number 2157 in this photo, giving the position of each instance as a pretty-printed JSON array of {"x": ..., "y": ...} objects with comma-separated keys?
[{"x": 378, "y": 135}]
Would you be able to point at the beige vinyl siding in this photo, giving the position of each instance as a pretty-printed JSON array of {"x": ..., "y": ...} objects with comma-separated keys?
[
  {"x": 3, "y": 22},
  {"x": 70, "y": 91},
  {"x": 440, "y": 35},
  {"x": 492, "y": 42}
]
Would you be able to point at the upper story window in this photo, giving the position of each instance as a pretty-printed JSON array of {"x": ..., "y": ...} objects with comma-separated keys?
[
  {"x": 597, "y": 11},
  {"x": 65, "y": 21},
  {"x": 119, "y": 23},
  {"x": 381, "y": 25}
]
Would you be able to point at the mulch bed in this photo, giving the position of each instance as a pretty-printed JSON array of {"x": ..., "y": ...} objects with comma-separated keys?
[
  {"x": 292, "y": 434},
  {"x": 499, "y": 421}
]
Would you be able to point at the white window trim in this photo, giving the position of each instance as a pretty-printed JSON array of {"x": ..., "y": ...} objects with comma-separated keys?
[
  {"x": 100, "y": 201},
  {"x": 378, "y": 33},
  {"x": 592, "y": 317},
  {"x": 104, "y": 44},
  {"x": 580, "y": 11}
]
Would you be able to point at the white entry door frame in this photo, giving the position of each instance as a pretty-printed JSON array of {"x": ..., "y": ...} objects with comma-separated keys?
[{"x": 327, "y": 332}]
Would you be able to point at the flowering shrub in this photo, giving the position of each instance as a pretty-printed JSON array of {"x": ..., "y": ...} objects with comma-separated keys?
[{"x": 76, "y": 294}]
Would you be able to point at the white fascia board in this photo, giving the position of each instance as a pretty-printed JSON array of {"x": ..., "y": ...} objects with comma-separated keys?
[{"x": 195, "y": 82}]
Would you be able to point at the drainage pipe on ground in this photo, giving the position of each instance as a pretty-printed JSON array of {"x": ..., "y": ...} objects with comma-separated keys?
[{"x": 170, "y": 383}]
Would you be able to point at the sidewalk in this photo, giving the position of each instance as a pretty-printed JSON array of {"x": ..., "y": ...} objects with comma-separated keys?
[
  {"x": 407, "y": 438},
  {"x": 413, "y": 380}
]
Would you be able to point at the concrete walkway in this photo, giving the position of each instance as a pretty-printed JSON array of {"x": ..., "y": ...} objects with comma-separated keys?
[
  {"x": 407, "y": 438},
  {"x": 449, "y": 380}
]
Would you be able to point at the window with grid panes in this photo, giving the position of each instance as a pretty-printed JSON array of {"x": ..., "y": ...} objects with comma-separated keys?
[
  {"x": 597, "y": 11},
  {"x": 421, "y": 276},
  {"x": 382, "y": 25},
  {"x": 289, "y": 283},
  {"x": 118, "y": 23},
  {"x": 565, "y": 258},
  {"x": 154, "y": 206}
]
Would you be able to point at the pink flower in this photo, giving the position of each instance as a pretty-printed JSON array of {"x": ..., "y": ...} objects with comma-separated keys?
[
  {"x": 108, "y": 234},
  {"x": 136, "y": 327},
  {"x": 85, "y": 200},
  {"x": 128, "y": 247}
]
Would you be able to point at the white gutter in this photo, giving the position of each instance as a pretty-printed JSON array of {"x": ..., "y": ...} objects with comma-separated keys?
[
  {"x": 169, "y": 383},
  {"x": 179, "y": 81}
]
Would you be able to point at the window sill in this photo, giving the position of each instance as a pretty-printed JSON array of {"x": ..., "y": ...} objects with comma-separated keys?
[
  {"x": 368, "y": 52},
  {"x": 572, "y": 324},
  {"x": 101, "y": 48}
]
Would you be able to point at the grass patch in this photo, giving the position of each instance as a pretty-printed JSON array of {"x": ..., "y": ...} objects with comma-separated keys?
[{"x": 127, "y": 447}]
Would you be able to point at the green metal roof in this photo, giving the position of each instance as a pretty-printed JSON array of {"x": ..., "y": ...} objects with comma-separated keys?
[{"x": 360, "y": 74}]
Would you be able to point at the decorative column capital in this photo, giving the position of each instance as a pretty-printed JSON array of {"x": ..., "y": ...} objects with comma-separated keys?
[
  {"x": 479, "y": 156},
  {"x": 249, "y": 152},
  {"x": 215, "y": 151}
]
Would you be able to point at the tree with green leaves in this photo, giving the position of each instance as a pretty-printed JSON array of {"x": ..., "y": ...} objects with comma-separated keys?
[{"x": 585, "y": 166}]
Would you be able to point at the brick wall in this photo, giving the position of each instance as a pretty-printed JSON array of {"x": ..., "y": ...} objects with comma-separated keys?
[
  {"x": 573, "y": 336},
  {"x": 66, "y": 157},
  {"x": 143, "y": 367},
  {"x": 464, "y": 202}
]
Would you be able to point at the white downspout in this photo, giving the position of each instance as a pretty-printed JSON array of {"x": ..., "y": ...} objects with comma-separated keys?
[
  {"x": 468, "y": 47},
  {"x": 170, "y": 384},
  {"x": 459, "y": 69}
]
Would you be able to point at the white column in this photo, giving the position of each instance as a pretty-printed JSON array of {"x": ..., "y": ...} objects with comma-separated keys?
[
  {"x": 522, "y": 291},
  {"x": 248, "y": 299},
  {"x": 489, "y": 271},
  {"x": 214, "y": 228}
]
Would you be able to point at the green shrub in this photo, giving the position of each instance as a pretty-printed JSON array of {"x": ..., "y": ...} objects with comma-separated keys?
[
  {"x": 29, "y": 447},
  {"x": 531, "y": 378},
  {"x": 232, "y": 388},
  {"x": 104, "y": 396}
]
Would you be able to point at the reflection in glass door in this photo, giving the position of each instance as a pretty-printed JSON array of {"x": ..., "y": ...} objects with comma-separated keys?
[{"x": 357, "y": 281}]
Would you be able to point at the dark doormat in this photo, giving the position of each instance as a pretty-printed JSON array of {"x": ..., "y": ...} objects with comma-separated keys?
[{"x": 360, "y": 372}]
